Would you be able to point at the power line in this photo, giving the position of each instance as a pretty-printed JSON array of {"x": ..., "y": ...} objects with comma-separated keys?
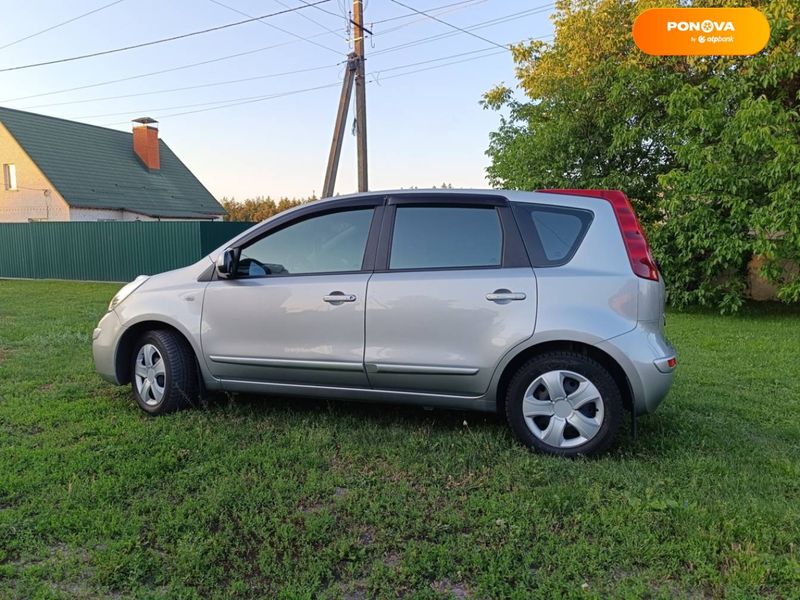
[
  {"x": 188, "y": 87},
  {"x": 151, "y": 73},
  {"x": 251, "y": 101},
  {"x": 317, "y": 23},
  {"x": 67, "y": 22},
  {"x": 434, "y": 9},
  {"x": 434, "y": 67},
  {"x": 455, "y": 62},
  {"x": 347, "y": 17},
  {"x": 424, "y": 40},
  {"x": 475, "y": 35},
  {"x": 196, "y": 104},
  {"x": 160, "y": 41},
  {"x": 241, "y": 80},
  {"x": 232, "y": 81},
  {"x": 287, "y": 31},
  {"x": 230, "y": 102},
  {"x": 319, "y": 8},
  {"x": 442, "y": 10},
  {"x": 430, "y": 60},
  {"x": 481, "y": 25}
]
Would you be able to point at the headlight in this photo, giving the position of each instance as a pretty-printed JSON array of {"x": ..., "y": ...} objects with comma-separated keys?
[{"x": 126, "y": 291}]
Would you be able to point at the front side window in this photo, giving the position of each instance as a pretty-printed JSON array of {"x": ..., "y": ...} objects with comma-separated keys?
[
  {"x": 437, "y": 237},
  {"x": 329, "y": 243}
]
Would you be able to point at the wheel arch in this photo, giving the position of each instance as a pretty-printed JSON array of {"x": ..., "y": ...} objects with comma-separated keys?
[
  {"x": 606, "y": 360},
  {"x": 125, "y": 347}
]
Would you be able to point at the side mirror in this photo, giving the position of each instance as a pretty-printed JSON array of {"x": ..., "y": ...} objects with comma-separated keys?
[{"x": 226, "y": 263}]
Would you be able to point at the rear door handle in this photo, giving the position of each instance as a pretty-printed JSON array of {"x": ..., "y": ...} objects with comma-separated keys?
[
  {"x": 504, "y": 296},
  {"x": 339, "y": 298}
]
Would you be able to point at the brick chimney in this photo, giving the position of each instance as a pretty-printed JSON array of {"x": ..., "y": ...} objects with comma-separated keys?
[{"x": 145, "y": 142}]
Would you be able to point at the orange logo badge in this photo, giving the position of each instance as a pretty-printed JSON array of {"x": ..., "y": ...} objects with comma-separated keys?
[{"x": 701, "y": 31}]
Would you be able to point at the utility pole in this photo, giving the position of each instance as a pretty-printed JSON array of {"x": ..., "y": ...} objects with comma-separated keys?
[
  {"x": 361, "y": 96},
  {"x": 338, "y": 130},
  {"x": 354, "y": 74}
]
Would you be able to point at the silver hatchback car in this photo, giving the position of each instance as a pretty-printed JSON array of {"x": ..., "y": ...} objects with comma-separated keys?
[{"x": 544, "y": 306}]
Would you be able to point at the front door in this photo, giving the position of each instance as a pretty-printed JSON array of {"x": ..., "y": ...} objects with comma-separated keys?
[
  {"x": 456, "y": 293},
  {"x": 295, "y": 311}
]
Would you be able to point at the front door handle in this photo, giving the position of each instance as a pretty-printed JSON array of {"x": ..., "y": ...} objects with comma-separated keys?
[
  {"x": 504, "y": 296},
  {"x": 339, "y": 297}
]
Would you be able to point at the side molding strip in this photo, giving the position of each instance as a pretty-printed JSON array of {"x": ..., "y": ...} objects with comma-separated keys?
[
  {"x": 419, "y": 369},
  {"x": 327, "y": 365}
]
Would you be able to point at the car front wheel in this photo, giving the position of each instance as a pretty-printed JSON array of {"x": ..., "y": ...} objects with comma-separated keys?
[
  {"x": 164, "y": 373},
  {"x": 564, "y": 403}
]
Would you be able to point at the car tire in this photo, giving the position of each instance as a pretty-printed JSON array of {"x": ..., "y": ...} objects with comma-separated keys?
[
  {"x": 164, "y": 374},
  {"x": 564, "y": 403}
]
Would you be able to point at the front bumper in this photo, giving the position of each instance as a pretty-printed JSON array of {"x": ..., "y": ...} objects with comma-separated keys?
[
  {"x": 649, "y": 361},
  {"x": 104, "y": 346}
]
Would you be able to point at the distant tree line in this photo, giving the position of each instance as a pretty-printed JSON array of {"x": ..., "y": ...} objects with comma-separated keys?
[
  {"x": 263, "y": 207},
  {"x": 259, "y": 208}
]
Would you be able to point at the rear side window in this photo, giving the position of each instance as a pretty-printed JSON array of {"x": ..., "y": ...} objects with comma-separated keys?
[
  {"x": 436, "y": 237},
  {"x": 552, "y": 235}
]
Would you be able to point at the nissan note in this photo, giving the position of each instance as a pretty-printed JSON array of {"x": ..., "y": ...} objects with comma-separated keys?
[{"x": 545, "y": 306}]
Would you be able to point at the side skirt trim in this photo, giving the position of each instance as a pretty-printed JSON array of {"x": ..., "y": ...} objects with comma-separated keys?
[{"x": 364, "y": 394}]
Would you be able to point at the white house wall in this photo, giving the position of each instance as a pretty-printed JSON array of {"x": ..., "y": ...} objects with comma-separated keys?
[
  {"x": 96, "y": 214},
  {"x": 35, "y": 198}
]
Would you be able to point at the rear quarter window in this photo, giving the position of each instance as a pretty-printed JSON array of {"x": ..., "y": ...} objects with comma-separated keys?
[{"x": 551, "y": 234}]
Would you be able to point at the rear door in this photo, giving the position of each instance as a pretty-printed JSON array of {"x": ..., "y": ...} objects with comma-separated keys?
[{"x": 453, "y": 291}]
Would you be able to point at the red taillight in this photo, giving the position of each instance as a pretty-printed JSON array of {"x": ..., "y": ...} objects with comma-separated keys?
[
  {"x": 672, "y": 362},
  {"x": 639, "y": 254}
]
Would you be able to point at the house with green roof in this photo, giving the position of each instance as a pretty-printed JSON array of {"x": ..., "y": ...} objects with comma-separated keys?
[{"x": 60, "y": 170}]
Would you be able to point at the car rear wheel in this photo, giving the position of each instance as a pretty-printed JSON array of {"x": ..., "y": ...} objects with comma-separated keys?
[
  {"x": 564, "y": 403},
  {"x": 164, "y": 374}
]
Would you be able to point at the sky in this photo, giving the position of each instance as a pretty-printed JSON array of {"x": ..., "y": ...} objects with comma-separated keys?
[{"x": 425, "y": 125}]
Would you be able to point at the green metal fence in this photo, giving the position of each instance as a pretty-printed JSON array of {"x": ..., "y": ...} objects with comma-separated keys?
[{"x": 107, "y": 251}]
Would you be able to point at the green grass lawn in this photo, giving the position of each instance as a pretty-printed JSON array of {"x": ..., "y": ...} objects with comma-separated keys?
[{"x": 260, "y": 497}]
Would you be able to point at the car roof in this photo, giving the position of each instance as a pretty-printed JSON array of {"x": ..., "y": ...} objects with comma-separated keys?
[
  {"x": 424, "y": 191},
  {"x": 430, "y": 194}
]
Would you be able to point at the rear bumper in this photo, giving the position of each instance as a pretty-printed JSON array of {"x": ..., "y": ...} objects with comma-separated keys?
[
  {"x": 649, "y": 361},
  {"x": 104, "y": 346}
]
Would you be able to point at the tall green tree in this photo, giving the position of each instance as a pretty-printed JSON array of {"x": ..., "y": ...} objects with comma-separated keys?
[
  {"x": 706, "y": 147},
  {"x": 734, "y": 188}
]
